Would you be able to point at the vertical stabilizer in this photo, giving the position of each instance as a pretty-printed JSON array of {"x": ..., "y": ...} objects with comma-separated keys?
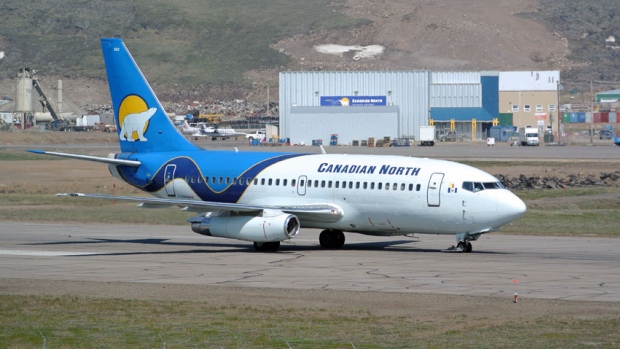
[{"x": 141, "y": 121}]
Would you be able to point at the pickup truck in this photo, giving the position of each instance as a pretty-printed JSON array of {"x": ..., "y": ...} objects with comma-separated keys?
[
  {"x": 450, "y": 136},
  {"x": 256, "y": 135}
]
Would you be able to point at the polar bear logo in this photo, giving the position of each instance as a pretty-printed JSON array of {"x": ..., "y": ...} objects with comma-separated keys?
[{"x": 135, "y": 122}]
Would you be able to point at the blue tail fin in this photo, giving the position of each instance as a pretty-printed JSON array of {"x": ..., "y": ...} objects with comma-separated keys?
[{"x": 141, "y": 121}]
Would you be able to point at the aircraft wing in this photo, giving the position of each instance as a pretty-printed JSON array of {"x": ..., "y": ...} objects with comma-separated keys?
[{"x": 317, "y": 212}]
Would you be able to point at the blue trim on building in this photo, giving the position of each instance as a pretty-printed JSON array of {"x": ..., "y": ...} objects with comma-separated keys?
[
  {"x": 461, "y": 114},
  {"x": 490, "y": 94}
]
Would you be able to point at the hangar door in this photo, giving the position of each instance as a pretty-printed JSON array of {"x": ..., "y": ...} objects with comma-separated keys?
[{"x": 305, "y": 124}]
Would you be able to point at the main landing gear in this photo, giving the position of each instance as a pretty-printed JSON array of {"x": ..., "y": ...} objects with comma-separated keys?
[
  {"x": 331, "y": 239},
  {"x": 464, "y": 246},
  {"x": 271, "y": 246}
]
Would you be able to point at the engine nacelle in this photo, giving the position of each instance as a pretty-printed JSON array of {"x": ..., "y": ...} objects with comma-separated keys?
[{"x": 278, "y": 227}]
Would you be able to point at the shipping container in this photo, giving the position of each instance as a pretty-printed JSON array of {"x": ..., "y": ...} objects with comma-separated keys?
[
  {"x": 613, "y": 117},
  {"x": 605, "y": 117},
  {"x": 573, "y": 118},
  {"x": 565, "y": 117},
  {"x": 581, "y": 117}
]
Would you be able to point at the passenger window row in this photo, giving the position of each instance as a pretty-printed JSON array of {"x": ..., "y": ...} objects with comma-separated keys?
[{"x": 310, "y": 183}]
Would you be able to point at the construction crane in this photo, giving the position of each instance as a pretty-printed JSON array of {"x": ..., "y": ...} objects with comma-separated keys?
[{"x": 45, "y": 102}]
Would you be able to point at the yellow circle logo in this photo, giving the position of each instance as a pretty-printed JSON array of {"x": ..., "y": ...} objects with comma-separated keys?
[{"x": 131, "y": 105}]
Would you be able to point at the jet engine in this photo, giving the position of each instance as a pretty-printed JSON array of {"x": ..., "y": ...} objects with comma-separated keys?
[{"x": 270, "y": 226}]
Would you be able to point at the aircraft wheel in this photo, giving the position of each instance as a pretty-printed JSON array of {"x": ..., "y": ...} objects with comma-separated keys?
[
  {"x": 271, "y": 246},
  {"x": 464, "y": 246},
  {"x": 331, "y": 239}
]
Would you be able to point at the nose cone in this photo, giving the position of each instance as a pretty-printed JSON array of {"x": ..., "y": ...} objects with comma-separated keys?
[{"x": 510, "y": 207}]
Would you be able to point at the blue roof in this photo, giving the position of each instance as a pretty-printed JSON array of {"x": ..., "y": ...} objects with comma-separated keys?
[{"x": 460, "y": 114}]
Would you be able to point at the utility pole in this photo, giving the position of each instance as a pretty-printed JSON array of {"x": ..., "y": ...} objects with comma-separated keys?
[
  {"x": 591, "y": 112},
  {"x": 559, "y": 113}
]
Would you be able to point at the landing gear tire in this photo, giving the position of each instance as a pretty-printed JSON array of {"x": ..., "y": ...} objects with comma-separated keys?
[
  {"x": 271, "y": 246},
  {"x": 331, "y": 239},
  {"x": 464, "y": 246}
]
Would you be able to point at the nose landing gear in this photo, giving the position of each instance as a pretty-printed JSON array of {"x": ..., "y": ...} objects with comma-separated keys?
[{"x": 463, "y": 243}]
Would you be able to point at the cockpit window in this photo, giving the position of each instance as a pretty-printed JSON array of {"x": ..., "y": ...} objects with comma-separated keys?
[
  {"x": 478, "y": 186},
  {"x": 493, "y": 185},
  {"x": 468, "y": 186}
]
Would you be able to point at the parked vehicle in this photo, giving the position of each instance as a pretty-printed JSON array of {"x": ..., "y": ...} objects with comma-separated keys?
[
  {"x": 256, "y": 135},
  {"x": 427, "y": 135},
  {"x": 450, "y": 136},
  {"x": 528, "y": 135},
  {"x": 607, "y": 132}
]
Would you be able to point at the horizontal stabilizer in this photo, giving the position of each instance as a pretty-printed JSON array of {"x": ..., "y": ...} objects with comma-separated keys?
[{"x": 132, "y": 163}]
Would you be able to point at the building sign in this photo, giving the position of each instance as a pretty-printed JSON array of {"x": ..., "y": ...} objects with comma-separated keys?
[
  {"x": 540, "y": 116},
  {"x": 353, "y": 101}
]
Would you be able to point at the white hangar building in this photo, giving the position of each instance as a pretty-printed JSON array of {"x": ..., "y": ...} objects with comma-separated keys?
[{"x": 357, "y": 105}]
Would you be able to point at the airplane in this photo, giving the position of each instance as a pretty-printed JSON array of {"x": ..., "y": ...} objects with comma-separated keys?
[
  {"x": 266, "y": 197},
  {"x": 188, "y": 129},
  {"x": 214, "y": 132}
]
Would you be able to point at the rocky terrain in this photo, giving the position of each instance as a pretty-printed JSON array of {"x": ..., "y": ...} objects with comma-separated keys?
[{"x": 577, "y": 38}]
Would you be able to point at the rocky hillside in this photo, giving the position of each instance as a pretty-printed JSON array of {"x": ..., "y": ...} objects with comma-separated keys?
[{"x": 191, "y": 49}]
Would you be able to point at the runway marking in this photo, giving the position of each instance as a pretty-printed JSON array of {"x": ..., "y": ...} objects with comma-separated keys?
[{"x": 43, "y": 253}]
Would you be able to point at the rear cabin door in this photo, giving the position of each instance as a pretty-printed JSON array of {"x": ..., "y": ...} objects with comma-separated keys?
[
  {"x": 434, "y": 189},
  {"x": 169, "y": 178}
]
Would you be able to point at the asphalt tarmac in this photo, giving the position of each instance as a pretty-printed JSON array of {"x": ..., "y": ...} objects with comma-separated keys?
[{"x": 561, "y": 268}]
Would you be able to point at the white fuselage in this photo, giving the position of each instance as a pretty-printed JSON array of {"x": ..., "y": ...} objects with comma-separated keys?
[{"x": 379, "y": 195}]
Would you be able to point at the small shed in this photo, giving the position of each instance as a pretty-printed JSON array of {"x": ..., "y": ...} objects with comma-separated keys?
[
  {"x": 500, "y": 133},
  {"x": 608, "y": 96}
]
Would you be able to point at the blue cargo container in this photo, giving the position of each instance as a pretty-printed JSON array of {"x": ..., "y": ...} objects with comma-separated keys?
[
  {"x": 581, "y": 117},
  {"x": 573, "y": 118}
]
